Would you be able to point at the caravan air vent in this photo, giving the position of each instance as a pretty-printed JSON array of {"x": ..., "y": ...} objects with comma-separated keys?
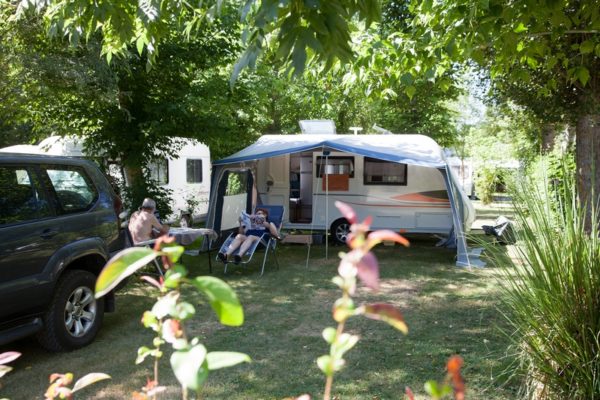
[{"x": 318, "y": 126}]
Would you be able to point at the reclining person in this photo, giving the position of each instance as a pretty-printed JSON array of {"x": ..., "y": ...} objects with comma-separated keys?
[
  {"x": 248, "y": 235},
  {"x": 144, "y": 225}
]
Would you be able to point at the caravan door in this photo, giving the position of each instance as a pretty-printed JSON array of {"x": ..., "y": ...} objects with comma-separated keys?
[{"x": 273, "y": 182}]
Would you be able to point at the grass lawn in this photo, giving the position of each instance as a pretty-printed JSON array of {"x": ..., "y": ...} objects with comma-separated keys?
[{"x": 448, "y": 310}]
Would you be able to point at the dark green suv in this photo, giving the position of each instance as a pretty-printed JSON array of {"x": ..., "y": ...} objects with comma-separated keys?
[{"x": 58, "y": 227}]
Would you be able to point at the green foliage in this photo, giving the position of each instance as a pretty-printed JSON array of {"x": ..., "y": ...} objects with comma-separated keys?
[
  {"x": 551, "y": 292},
  {"x": 190, "y": 360},
  {"x": 485, "y": 183}
]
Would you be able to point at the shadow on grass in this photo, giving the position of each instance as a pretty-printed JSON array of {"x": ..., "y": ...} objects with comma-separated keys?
[{"x": 448, "y": 310}]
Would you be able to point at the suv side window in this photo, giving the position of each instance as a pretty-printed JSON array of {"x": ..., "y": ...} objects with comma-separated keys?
[
  {"x": 74, "y": 189},
  {"x": 20, "y": 199}
]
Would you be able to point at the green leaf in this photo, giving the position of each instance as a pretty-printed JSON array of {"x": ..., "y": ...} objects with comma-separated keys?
[
  {"x": 520, "y": 28},
  {"x": 325, "y": 365},
  {"x": 4, "y": 369},
  {"x": 432, "y": 389},
  {"x": 139, "y": 43},
  {"x": 149, "y": 320},
  {"x": 174, "y": 276},
  {"x": 329, "y": 334},
  {"x": 122, "y": 265},
  {"x": 586, "y": 47},
  {"x": 222, "y": 298},
  {"x": 410, "y": 91},
  {"x": 344, "y": 343},
  {"x": 583, "y": 74},
  {"x": 142, "y": 353},
  {"x": 407, "y": 79},
  {"x": 225, "y": 359},
  {"x": 89, "y": 379},
  {"x": 189, "y": 366},
  {"x": 299, "y": 57},
  {"x": 184, "y": 311},
  {"x": 174, "y": 252},
  {"x": 166, "y": 305}
]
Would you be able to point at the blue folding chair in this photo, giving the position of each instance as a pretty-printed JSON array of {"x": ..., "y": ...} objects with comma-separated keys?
[{"x": 266, "y": 240}]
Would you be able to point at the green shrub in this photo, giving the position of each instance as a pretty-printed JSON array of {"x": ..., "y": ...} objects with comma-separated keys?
[
  {"x": 552, "y": 292},
  {"x": 485, "y": 184}
]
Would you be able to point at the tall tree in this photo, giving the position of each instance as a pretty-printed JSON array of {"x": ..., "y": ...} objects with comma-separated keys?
[{"x": 557, "y": 39}]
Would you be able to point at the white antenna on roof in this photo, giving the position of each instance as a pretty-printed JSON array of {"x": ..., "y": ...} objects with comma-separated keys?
[
  {"x": 317, "y": 126},
  {"x": 355, "y": 129}
]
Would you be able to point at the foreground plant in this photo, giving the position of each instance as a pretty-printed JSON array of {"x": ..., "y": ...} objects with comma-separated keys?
[
  {"x": 552, "y": 292},
  {"x": 359, "y": 262},
  {"x": 60, "y": 384},
  {"x": 190, "y": 360}
]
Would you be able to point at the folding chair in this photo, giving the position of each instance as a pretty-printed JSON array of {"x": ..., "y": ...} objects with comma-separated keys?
[
  {"x": 129, "y": 241},
  {"x": 266, "y": 240}
]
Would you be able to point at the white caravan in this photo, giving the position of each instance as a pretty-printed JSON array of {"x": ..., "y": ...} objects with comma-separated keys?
[
  {"x": 402, "y": 181},
  {"x": 188, "y": 175}
]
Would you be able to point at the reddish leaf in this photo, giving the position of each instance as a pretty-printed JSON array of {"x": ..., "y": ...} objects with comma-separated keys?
[
  {"x": 368, "y": 271},
  {"x": 346, "y": 211},
  {"x": 454, "y": 365},
  {"x": 138, "y": 396},
  {"x": 386, "y": 313},
  {"x": 164, "y": 239},
  {"x": 172, "y": 330},
  {"x": 409, "y": 393},
  {"x": 152, "y": 281},
  {"x": 377, "y": 237},
  {"x": 367, "y": 222},
  {"x": 150, "y": 384},
  {"x": 9, "y": 356}
]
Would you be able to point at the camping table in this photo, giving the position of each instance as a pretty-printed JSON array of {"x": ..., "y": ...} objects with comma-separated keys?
[{"x": 186, "y": 236}]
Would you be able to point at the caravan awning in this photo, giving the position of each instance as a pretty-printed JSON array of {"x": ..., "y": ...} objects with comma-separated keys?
[{"x": 408, "y": 149}]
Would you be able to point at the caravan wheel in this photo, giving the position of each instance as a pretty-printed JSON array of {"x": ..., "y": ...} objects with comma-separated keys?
[{"x": 340, "y": 228}]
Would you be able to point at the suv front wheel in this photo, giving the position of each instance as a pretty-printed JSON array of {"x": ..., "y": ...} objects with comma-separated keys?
[{"x": 74, "y": 316}]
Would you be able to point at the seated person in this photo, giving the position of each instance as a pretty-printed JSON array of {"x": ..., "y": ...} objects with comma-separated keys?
[
  {"x": 249, "y": 235},
  {"x": 144, "y": 225}
]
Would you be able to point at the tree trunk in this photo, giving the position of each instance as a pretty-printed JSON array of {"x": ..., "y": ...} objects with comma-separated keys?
[
  {"x": 588, "y": 162},
  {"x": 548, "y": 137}
]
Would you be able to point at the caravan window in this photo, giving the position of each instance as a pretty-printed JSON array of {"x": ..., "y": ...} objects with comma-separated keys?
[
  {"x": 335, "y": 165},
  {"x": 380, "y": 172},
  {"x": 159, "y": 171},
  {"x": 194, "y": 171}
]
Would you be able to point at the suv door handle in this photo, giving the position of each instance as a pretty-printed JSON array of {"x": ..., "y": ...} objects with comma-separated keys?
[{"x": 48, "y": 233}]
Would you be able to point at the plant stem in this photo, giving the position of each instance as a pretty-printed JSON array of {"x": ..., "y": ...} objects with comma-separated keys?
[{"x": 329, "y": 381}]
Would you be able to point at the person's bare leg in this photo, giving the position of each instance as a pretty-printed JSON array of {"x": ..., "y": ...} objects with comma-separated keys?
[
  {"x": 247, "y": 243},
  {"x": 239, "y": 239}
]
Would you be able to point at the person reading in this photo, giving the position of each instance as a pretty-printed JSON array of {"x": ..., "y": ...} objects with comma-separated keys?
[
  {"x": 144, "y": 225},
  {"x": 252, "y": 227}
]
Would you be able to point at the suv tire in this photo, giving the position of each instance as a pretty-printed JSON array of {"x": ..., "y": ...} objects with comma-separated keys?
[{"x": 74, "y": 316}]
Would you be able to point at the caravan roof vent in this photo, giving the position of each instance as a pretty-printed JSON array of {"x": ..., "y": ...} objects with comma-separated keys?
[{"x": 317, "y": 126}]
